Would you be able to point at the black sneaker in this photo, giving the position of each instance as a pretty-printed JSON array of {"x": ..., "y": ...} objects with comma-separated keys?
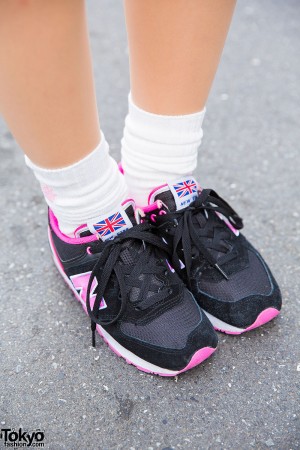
[
  {"x": 118, "y": 271},
  {"x": 228, "y": 277}
]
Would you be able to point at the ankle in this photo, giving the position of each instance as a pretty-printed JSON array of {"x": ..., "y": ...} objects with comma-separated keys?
[{"x": 84, "y": 190}]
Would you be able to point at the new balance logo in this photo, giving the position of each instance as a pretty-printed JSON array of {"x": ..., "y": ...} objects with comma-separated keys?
[{"x": 80, "y": 282}]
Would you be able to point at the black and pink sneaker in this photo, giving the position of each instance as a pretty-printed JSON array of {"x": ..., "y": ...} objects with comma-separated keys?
[
  {"x": 119, "y": 272},
  {"x": 228, "y": 277}
]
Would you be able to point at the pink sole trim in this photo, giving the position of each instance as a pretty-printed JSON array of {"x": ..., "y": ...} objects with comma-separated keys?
[
  {"x": 198, "y": 357},
  {"x": 264, "y": 317}
]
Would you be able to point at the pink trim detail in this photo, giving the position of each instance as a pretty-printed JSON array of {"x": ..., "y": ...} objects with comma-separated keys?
[
  {"x": 153, "y": 206},
  {"x": 170, "y": 267},
  {"x": 264, "y": 317},
  {"x": 231, "y": 227},
  {"x": 80, "y": 282},
  {"x": 121, "y": 168},
  {"x": 63, "y": 237},
  {"x": 79, "y": 228},
  {"x": 198, "y": 358},
  {"x": 128, "y": 200},
  {"x": 156, "y": 189},
  {"x": 88, "y": 250},
  {"x": 166, "y": 185}
]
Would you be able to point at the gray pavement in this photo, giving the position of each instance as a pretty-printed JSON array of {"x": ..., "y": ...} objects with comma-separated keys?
[{"x": 247, "y": 395}]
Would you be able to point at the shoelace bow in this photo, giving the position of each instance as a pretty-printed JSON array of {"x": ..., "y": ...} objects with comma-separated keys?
[
  {"x": 109, "y": 263},
  {"x": 186, "y": 232}
]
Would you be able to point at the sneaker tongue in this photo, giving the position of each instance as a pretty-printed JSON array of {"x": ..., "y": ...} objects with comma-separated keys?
[
  {"x": 111, "y": 224},
  {"x": 176, "y": 195}
]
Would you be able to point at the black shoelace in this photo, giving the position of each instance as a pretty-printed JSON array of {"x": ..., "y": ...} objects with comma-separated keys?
[
  {"x": 148, "y": 261},
  {"x": 187, "y": 232}
]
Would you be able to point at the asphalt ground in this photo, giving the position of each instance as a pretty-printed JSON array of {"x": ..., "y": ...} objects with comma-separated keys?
[{"x": 247, "y": 395}]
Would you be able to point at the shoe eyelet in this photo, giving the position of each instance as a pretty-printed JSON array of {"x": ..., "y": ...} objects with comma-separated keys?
[
  {"x": 170, "y": 291},
  {"x": 165, "y": 273}
]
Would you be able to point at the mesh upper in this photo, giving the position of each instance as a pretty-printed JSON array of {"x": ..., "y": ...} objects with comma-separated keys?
[
  {"x": 243, "y": 281},
  {"x": 171, "y": 329},
  {"x": 253, "y": 280},
  {"x": 155, "y": 285}
]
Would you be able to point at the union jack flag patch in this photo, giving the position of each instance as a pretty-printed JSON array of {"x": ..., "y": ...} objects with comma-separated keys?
[
  {"x": 110, "y": 226},
  {"x": 185, "y": 188},
  {"x": 184, "y": 192}
]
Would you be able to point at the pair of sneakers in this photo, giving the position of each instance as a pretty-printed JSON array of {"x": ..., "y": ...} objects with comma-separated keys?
[{"x": 158, "y": 281}]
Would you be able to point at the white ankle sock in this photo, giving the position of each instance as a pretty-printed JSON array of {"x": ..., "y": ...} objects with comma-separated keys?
[
  {"x": 91, "y": 187},
  {"x": 158, "y": 149}
]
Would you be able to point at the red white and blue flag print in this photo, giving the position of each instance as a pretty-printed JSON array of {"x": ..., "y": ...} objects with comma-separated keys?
[
  {"x": 184, "y": 191},
  {"x": 185, "y": 188},
  {"x": 110, "y": 225}
]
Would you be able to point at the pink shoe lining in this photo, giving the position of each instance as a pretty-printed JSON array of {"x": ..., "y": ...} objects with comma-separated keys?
[
  {"x": 154, "y": 191},
  {"x": 82, "y": 240},
  {"x": 68, "y": 239}
]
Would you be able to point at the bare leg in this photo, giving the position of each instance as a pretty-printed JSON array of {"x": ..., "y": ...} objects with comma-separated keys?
[
  {"x": 175, "y": 47},
  {"x": 46, "y": 84},
  {"x": 47, "y": 98}
]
